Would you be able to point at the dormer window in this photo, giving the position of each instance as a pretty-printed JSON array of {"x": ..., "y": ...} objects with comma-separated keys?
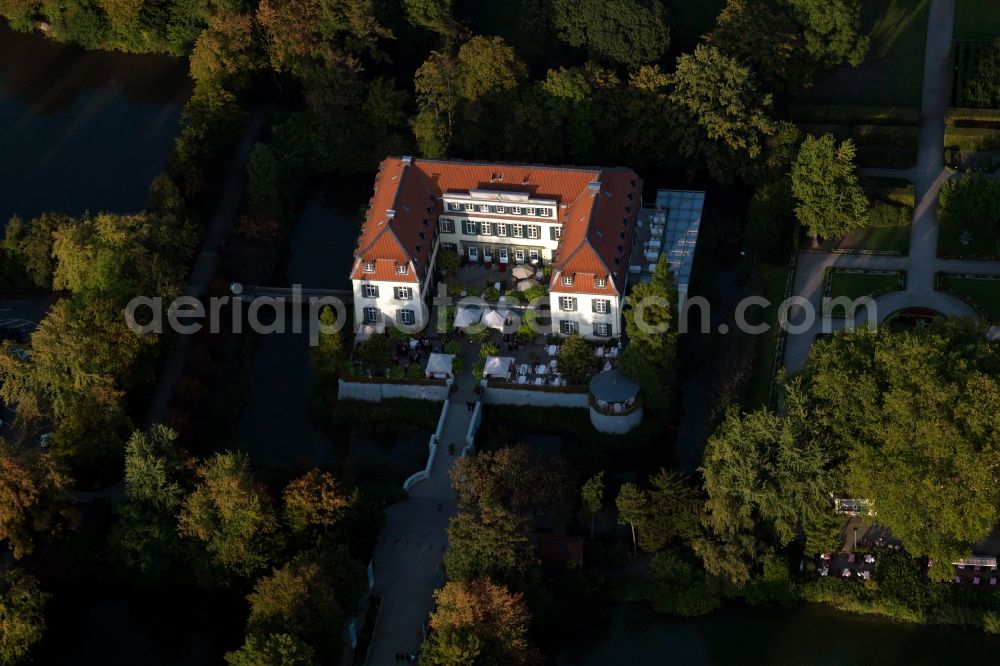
[
  {"x": 600, "y": 283},
  {"x": 401, "y": 269},
  {"x": 567, "y": 280},
  {"x": 470, "y": 207},
  {"x": 369, "y": 267}
]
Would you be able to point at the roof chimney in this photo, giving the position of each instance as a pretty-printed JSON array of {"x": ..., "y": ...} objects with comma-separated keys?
[
  {"x": 594, "y": 186},
  {"x": 407, "y": 160}
]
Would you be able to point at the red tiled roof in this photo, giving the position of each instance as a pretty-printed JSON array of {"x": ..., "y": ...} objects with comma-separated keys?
[{"x": 592, "y": 221}]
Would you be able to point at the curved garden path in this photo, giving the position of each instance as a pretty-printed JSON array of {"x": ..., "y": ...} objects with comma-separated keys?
[{"x": 927, "y": 176}]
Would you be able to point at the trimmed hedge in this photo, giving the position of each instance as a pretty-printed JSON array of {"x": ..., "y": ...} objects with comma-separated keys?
[
  {"x": 962, "y": 117},
  {"x": 972, "y": 138},
  {"x": 855, "y": 115}
]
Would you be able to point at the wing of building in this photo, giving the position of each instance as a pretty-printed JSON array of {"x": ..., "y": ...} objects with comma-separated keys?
[{"x": 581, "y": 221}]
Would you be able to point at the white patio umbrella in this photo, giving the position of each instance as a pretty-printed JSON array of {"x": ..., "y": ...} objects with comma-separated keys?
[
  {"x": 522, "y": 272},
  {"x": 525, "y": 285},
  {"x": 468, "y": 316}
]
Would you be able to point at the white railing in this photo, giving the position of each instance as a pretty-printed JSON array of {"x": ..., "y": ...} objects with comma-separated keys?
[{"x": 431, "y": 451}]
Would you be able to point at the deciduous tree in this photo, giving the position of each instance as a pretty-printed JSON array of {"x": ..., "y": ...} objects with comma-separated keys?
[
  {"x": 829, "y": 201},
  {"x": 629, "y": 32},
  {"x": 22, "y": 617},
  {"x": 231, "y": 513},
  {"x": 34, "y": 498}
]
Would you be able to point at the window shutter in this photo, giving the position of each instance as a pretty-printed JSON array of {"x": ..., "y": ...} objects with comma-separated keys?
[
  {"x": 552, "y": 233},
  {"x": 593, "y": 306},
  {"x": 409, "y": 293}
]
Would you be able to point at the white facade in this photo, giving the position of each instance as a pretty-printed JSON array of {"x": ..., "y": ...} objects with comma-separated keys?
[
  {"x": 499, "y": 227},
  {"x": 390, "y": 303},
  {"x": 592, "y": 316}
]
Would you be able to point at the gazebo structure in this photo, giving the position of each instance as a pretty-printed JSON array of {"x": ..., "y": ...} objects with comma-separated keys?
[
  {"x": 439, "y": 366},
  {"x": 614, "y": 402},
  {"x": 498, "y": 366}
]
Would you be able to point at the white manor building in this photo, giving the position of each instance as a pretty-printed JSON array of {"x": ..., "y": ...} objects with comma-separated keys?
[{"x": 581, "y": 221}]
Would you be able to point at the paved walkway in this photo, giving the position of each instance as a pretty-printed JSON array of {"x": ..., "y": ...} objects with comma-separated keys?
[
  {"x": 927, "y": 176},
  {"x": 407, "y": 561}
]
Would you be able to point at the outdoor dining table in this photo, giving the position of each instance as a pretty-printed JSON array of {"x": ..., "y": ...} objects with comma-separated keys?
[
  {"x": 539, "y": 381},
  {"x": 524, "y": 368},
  {"x": 541, "y": 369},
  {"x": 522, "y": 379}
]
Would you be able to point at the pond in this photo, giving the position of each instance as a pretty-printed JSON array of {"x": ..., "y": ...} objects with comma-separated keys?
[
  {"x": 83, "y": 130},
  {"x": 811, "y": 634}
]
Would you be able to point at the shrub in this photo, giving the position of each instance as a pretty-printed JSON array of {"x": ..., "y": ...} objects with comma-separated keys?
[
  {"x": 488, "y": 349},
  {"x": 972, "y": 203},
  {"x": 538, "y": 291},
  {"x": 887, "y": 215},
  {"x": 414, "y": 371},
  {"x": 452, "y": 347},
  {"x": 770, "y": 222},
  {"x": 491, "y": 295},
  {"x": 991, "y": 622},
  {"x": 448, "y": 261},
  {"x": 982, "y": 83}
]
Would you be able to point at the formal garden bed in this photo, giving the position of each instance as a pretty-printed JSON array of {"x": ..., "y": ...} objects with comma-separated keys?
[
  {"x": 969, "y": 216},
  {"x": 858, "y": 283},
  {"x": 982, "y": 292}
]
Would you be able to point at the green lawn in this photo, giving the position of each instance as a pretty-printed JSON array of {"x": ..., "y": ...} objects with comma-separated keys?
[
  {"x": 976, "y": 19},
  {"x": 984, "y": 293},
  {"x": 892, "y": 74},
  {"x": 856, "y": 285},
  {"x": 772, "y": 287},
  {"x": 884, "y": 239},
  {"x": 950, "y": 244}
]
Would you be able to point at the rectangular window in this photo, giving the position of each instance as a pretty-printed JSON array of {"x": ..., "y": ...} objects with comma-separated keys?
[
  {"x": 601, "y": 306},
  {"x": 369, "y": 267},
  {"x": 518, "y": 255},
  {"x": 401, "y": 269},
  {"x": 501, "y": 209},
  {"x": 451, "y": 247},
  {"x": 533, "y": 230},
  {"x": 542, "y": 212},
  {"x": 602, "y": 330},
  {"x": 485, "y": 228},
  {"x": 447, "y": 225},
  {"x": 501, "y": 228},
  {"x": 403, "y": 293},
  {"x": 567, "y": 280},
  {"x": 568, "y": 327},
  {"x": 406, "y": 317},
  {"x": 370, "y": 291},
  {"x": 473, "y": 252},
  {"x": 556, "y": 233},
  {"x": 470, "y": 207},
  {"x": 567, "y": 303},
  {"x": 530, "y": 211},
  {"x": 600, "y": 283},
  {"x": 371, "y": 315},
  {"x": 516, "y": 210},
  {"x": 517, "y": 231},
  {"x": 533, "y": 254},
  {"x": 470, "y": 228}
]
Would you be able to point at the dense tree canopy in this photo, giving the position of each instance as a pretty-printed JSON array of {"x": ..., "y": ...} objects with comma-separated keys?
[
  {"x": 725, "y": 119},
  {"x": 231, "y": 513},
  {"x": 831, "y": 30},
  {"x": 630, "y": 32},
  {"x": 22, "y": 618},
  {"x": 917, "y": 413},
  {"x": 478, "y": 622},
  {"x": 34, "y": 498}
]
